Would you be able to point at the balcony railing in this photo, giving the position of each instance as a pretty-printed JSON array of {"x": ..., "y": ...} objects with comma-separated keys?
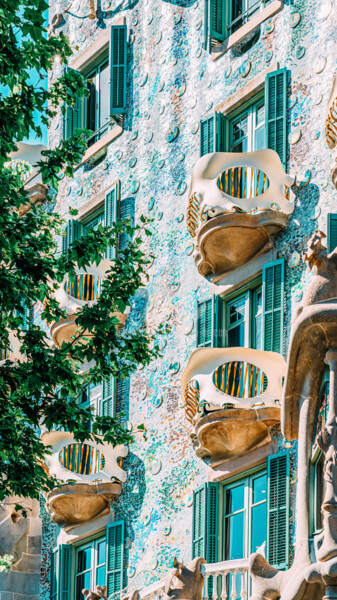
[
  {"x": 331, "y": 118},
  {"x": 226, "y": 580},
  {"x": 244, "y": 16},
  {"x": 82, "y": 458},
  {"x": 236, "y": 196},
  {"x": 231, "y": 397}
]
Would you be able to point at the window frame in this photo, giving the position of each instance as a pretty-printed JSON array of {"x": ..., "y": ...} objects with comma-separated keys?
[
  {"x": 92, "y": 543},
  {"x": 94, "y": 69},
  {"x": 244, "y": 17},
  {"x": 247, "y": 478},
  {"x": 250, "y": 107},
  {"x": 250, "y": 290},
  {"x": 97, "y": 216}
]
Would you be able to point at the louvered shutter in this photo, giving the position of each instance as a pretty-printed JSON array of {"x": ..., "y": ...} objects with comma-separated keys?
[
  {"x": 332, "y": 231},
  {"x": 122, "y": 399},
  {"x": 71, "y": 232},
  {"x": 213, "y": 134},
  {"x": 273, "y": 305},
  {"x": 126, "y": 211},
  {"x": 110, "y": 216},
  {"x": 118, "y": 69},
  {"x": 91, "y": 107},
  {"x": 73, "y": 118},
  {"x": 115, "y": 557},
  {"x": 63, "y": 572},
  {"x": 278, "y": 511},
  {"x": 209, "y": 322},
  {"x": 54, "y": 569},
  {"x": 217, "y": 19},
  {"x": 108, "y": 397},
  {"x": 205, "y": 528},
  {"x": 276, "y": 113}
]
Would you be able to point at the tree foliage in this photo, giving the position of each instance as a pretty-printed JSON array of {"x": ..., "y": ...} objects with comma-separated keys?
[{"x": 41, "y": 389}]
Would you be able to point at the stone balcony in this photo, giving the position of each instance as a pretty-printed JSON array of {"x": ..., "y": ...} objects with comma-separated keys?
[
  {"x": 90, "y": 477},
  {"x": 232, "y": 398},
  {"x": 331, "y": 129},
  {"x": 73, "y": 295},
  {"x": 236, "y": 198}
]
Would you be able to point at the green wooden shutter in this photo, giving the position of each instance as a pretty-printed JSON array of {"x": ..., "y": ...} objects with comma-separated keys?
[
  {"x": 205, "y": 528},
  {"x": 213, "y": 136},
  {"x": 209, "y": 322},
  {"x": 276, "y": 113},
  {"x": 54, "y": 567},
  {"x": 71, "y": 232},
  {"x": 126, "y": 211},
  {"x": 115, "y": 557},
  {"x": 64, "y": 572},
  {"x": 332, "y": 232},
  {"x": 74, "y": 116},
  {"x": 273, "y": 305},
  {"x": 108, "y": 397},
  {"x": 122, "y": 399},
  {"x": 278, "y": 510},
  {"x": 218, "y": 19},
  {"x": 118, "y": 69},
  {"x": 110, "y": 216}
]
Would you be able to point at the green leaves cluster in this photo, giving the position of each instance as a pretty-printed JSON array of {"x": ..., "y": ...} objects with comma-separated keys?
[{"x": 42, "y": 389}]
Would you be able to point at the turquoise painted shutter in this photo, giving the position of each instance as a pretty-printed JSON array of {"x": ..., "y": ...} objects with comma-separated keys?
[
  {"x": 118, "y": 69},
  {"x": 273, "y": 305},
  {"x": 332, "y": 232},
  {"x": 108, "y": 397},
  {"x": 205, "y": 529},
  {"x": 122, "y": 398},
  {"x": 276, "y": 113},
  {"x": 54, "y": 566},
  {"x": 217, "y": 19},
  {"x": 110, "y": 216},
  {"x": 115, "y": 557},
  {"x": 73, "y": 118},
  {"x": 209, "y": 321},
  {"x": 278, "y": 511},
  {"x": 213, "y": 134},
  {"x": 126, "y": 211},
  {"x": 71, "y": 232}
]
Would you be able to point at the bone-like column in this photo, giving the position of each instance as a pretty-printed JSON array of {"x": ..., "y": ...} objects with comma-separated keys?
[{"x": 327, "y": 440}]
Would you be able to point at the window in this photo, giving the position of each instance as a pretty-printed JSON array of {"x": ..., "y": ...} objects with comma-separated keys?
[
  {"x": 227, "y": 16},
  {"x": 250, "y": 318},
  {"x": 317, "y": 461},
  {"x": 232, "y": 520},
  {"x": 90, "y": 566},
  {"x": 259, "y": 124},
  {"x": 106, "y": 83},
  {"x": 98, "y": 561}
]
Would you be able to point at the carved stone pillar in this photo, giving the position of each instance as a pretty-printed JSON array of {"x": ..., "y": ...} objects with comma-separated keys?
[{"x": 327, "y": 441}]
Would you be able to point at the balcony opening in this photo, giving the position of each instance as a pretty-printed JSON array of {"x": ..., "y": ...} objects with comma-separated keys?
[
  {"x": 84, "y": 287},
  {"x": 240, "y": 379},
  {"x": 82, "y": 459}
]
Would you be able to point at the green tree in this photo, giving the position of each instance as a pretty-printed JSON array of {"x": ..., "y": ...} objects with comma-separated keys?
[{"x": 41, "y": 389}]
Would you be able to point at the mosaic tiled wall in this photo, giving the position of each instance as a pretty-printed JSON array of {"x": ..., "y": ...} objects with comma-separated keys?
[{"x": 173, "y": 82}]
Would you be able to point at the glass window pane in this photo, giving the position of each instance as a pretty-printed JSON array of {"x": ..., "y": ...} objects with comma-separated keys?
[
  {"x": 259, "y": 114},
  {"x": 235, "y": 499},
  {"x": 234, "y": 534},
  {"x": 237, "y": 310},
  {"x": 259, "y": 489},
  {"x": 101, "y": 551},
  {"x": 259, "y": 138},
  {"x": 258, "y": 526},
  {"x": 104, "y": 94},
  {"x": 236, "y": 336},
  {"x": 84, "y": 560},
  {"x": 100, "y": 576},
  {"x": 82, "y": 582}
]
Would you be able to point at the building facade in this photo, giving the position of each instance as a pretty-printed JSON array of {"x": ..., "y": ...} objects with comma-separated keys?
[{"x": 209, "y": 116}]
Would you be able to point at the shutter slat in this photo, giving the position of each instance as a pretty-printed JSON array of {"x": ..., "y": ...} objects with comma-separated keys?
[
  {"x": 115, "y": 557},
  {"x": 118, "y": 69},
  {"x": 212, "y": 522},
  {"x": 278, "y": 510},
  {"x": 54, "y": 573},
  {"x": 73, "y": 118},
  {"x": 126, "y": 211},
  {"x": 213, "y": 133},
  {"x": 273, "y": 305},
  {"x": 332, "y": 232},
  {"x": 276, "y": 113},
  {"x": 108, "y": 397},
  {"x": 72, "y": 231},
  {"x": 64, "y": 560},
  {"x": 217, "y": 20},
  {"x": 199, "y": 522},
  {"x": 204, "y": 323},
  {"x": 205, "y": 528},
  {"x": 122, "y": 399}
]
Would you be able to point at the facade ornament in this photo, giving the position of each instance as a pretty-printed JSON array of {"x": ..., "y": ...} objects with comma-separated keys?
[
  {"x": 331, "y": 129},
  {"x": 185, "y": 582},
  {"x": 98, "y": 593},
  {"x": 313, "y": 344}
]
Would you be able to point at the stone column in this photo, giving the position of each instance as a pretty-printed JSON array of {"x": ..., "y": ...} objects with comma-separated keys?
[{"x": 327, "y": 440}]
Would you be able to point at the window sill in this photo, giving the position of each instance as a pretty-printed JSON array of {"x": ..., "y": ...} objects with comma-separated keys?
[
  {"x": 241, "y": 33},
  {"x": 101, "y": 144}
]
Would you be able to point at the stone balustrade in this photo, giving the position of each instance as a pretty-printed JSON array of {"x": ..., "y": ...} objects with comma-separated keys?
[
  {"x": 235, "y": 196},
  {"x": 228, "y": 580}
]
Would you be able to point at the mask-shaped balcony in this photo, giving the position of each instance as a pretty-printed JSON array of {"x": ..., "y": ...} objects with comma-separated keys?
[
  {"x": 331, "y": 128},
  {"x": 90, "y": 477},
  {"x": 73, "y": 295},
  {"x": 232, "y": 398},
  {"x": 25, "y": 157},
  {"x": 237, "y": 201}
]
